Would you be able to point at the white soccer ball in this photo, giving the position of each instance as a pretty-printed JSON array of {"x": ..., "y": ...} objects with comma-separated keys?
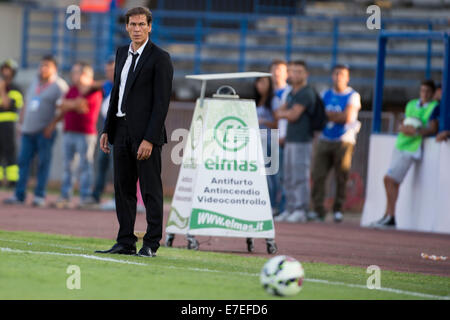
[
  {"x": 413, "y": 122},
  {"x": 282, "y": 276}
]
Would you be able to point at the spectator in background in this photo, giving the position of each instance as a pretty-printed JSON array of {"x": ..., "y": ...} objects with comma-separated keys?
[
  {"x": 35, "y": 117},
  {"x": 79, "y": 109},
  {"x": 281, "y": 89},
  {"x": 263, "y": 93},
  {"x": 438, "y": 92},
  {"x": 11, "y": 101},
  {"x": 104, "y": 159},
  {"x": 408, "y": 149},
  {"x": 437, "y": 96},
  {"x": 443, "y": 135},
  {"x": 297, "y": 154},
  {"x": 336, "y": 143}
]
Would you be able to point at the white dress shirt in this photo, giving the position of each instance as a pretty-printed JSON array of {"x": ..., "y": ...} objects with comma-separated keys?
[{"x": 124, "y": 74}]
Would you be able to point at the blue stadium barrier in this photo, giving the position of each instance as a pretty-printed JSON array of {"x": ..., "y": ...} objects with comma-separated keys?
[
  {"x": 107, "y": 32},
  {"x": 284, "y": 7},
  {"x": 384, "y": 36}
]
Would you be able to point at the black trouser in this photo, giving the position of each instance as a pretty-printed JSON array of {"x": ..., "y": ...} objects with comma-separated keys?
[
  {"x": 8, "y": 158},
  {"x": 127, "y": 170}
]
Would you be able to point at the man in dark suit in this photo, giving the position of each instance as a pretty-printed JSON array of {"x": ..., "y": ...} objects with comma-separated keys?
[{"x": 135, "y": 126}]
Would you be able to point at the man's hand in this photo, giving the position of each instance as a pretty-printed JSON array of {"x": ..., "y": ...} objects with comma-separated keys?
[
  {"x": 104, "y": 144},
  {"x": 442, "y": 136},
  {"x": 3, "y": 95},
  {"x": 2, "y": 86},
  {"x": 82, "y": 106},
  {"x": 408, "y": 130},
  {"x": 280, "y": 114},
  {"x": 48, "y": 131},
  {"x": 145, "y": 150}
]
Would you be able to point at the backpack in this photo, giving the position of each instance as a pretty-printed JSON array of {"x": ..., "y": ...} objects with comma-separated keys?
[{"x": 318, "y": 117}]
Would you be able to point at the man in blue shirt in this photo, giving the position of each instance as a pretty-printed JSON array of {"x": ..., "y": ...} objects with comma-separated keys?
[
  {"x": 278, "y": 69},
  {"x": 443, "y": 135},
  {"x": 336, "y": 143}
]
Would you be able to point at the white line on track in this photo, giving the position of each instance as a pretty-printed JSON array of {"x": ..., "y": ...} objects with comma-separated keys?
[{"x": 92, "y": 257}]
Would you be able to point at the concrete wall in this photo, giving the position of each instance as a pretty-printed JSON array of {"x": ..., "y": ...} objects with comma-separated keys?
[
  {"x": 424, "y": 202},
  {"x": 11, "y": 20}
]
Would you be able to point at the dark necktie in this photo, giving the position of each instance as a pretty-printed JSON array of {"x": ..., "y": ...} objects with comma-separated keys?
[{"x": 130, "y": 73}]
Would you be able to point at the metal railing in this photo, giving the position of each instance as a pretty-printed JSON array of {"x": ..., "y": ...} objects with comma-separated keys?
[
  {"x": 101, "y": 34},
  {"x": 444, "y": 122},
  {"x": 290, "y": 7}
]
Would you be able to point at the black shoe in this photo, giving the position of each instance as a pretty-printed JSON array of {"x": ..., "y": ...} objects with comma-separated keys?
[
  {"x": 119, "y": 249},
  {"x": 146, "y": 252},
  {"x": 387, "y": 222}
]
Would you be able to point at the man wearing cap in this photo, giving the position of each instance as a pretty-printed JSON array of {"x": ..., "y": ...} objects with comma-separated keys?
[{"x": 11, "y": 100}]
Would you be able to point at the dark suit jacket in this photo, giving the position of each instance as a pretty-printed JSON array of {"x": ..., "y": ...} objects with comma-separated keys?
[{"x": 146, "y": 97}]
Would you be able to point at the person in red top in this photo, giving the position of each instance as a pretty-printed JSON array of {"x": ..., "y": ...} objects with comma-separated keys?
[{"x": 80, "y": 109}]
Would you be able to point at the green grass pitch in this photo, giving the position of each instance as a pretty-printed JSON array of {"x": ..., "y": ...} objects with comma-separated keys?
[{"x": 34, "y": 266}]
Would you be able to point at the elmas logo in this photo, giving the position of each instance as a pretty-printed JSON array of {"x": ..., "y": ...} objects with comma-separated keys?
[{"x": 231, "y": 133}]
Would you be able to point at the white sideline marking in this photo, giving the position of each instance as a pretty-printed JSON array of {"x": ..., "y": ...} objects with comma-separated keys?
[
  {"x": 86, "y": 256},
  {"x": 44, "y": 244},
  {"x": 398, "y": 291}
]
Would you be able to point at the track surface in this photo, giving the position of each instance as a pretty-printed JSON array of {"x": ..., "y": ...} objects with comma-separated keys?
[{"x": 346, "y": 243}]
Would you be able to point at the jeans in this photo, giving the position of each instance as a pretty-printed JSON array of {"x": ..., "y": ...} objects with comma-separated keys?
[
  {"x": 31, "y": 145},
  {"x": 271, "y": 178},
  {"x": 297, "y": 161},
  {"x": 84, "y": 146},
  {"x": 280, "y": 194},
  {"x": 103, "y": 164},
  {"x": 274, "y": 181}
]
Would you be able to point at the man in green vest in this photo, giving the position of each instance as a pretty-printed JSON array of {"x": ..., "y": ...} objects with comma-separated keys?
[
  {"x": 11, "y": 101},
  {"x": 408, "y": 147}
]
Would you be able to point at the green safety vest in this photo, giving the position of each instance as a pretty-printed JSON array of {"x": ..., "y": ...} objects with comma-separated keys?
[{"x": 412, "y": 143}]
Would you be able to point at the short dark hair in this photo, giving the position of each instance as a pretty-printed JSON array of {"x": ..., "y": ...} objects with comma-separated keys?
[
  {"x": 276, "y": 62},
  {"x": 430, "y": 84},
  {"x": 138, "y": 11},
  {"x": 341, "y": 66},
  {"x": 111, "y": 59},
  {"x": 299, "y": 63},
  {"x": 85, "y": 66},
  {"x": 50, "y": 58}
]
